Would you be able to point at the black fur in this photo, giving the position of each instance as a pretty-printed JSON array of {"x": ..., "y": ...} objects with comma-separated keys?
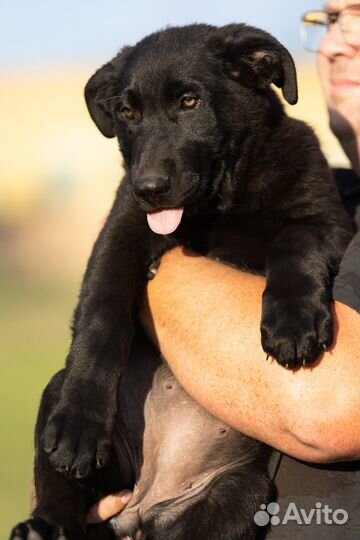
[{"x": 257, "y": 194}]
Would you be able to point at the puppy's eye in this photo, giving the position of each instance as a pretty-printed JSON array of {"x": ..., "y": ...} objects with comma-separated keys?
[
  {"x": 127, "y": 113},
  {"x": 189, "y": 102}
]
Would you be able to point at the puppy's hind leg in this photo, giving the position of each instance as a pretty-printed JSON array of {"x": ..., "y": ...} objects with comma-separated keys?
[
  {"x": 225, "y": 510},
  {"x": 61, "y": 502}
]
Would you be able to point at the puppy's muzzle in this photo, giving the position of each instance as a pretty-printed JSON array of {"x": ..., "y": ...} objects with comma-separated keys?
[{"x": 151, "y": 189}]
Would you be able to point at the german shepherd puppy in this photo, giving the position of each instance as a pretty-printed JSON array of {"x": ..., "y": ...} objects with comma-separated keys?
[{"x": 212, "y": 163}]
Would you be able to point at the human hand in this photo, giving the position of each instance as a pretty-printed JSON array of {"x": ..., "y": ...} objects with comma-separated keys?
[{"x": 108, "y": 507}]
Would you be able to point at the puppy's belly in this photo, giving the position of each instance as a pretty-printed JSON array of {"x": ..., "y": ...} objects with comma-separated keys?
[{"x": 176, "y": 447}]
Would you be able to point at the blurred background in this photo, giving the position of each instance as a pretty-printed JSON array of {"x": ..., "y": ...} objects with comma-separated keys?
[{"x": 58, "y": 176}]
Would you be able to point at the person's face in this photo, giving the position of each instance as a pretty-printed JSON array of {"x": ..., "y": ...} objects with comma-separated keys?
[{"x": 339, "y": 69}]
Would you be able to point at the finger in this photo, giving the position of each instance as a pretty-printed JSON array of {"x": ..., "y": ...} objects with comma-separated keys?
[{"x": 108, "y": 507}]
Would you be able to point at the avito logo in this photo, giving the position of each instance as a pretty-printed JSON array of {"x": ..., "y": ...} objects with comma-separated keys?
[{"x": 320, "y": 515}]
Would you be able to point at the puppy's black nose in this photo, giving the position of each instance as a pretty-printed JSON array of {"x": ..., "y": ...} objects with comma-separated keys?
[{"x": 151, "y": 187}]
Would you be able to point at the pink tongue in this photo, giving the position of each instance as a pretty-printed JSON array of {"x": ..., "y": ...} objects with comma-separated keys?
[{"x": 165, "y": 221}]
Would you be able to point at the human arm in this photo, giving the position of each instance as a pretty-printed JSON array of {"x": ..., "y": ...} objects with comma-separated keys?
[
  {"x": 208, "y": 329},
  {"x": 206, "y": 319}
]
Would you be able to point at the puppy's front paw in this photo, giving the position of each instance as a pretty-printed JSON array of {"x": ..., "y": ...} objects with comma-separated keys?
[
  {"x": 295, "y": 331},
  {"x": 77, "y": 439}
]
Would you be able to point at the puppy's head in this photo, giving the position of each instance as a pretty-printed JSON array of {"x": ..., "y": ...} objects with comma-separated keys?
[{"x": 182, "y": 102}]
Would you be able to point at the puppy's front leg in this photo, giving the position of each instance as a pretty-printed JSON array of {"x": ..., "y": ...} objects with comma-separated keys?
[
  {"x": 78, "y": 431},
  {"x": 296, "y": 323}
]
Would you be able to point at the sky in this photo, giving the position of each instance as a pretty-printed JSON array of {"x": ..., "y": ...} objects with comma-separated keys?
[{"x": 45, "y": 34}]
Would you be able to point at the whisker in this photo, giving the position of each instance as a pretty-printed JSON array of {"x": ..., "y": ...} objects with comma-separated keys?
[{"x": 109, "y": 98}]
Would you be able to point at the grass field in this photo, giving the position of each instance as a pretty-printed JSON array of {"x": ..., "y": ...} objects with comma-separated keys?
[{"x": 34, "y": 321}]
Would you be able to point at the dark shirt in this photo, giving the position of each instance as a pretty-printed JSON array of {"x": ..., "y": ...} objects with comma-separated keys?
[{"x": 347, "y": 283}]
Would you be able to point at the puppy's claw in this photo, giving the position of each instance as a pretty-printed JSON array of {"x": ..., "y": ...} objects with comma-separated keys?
[
  {"x": 62, "y": 469},
  {"x": 267, "y": 357},
  {"x": 100, "y": 462},
  {"x": 304, "y": 362},
  {"x": 49, "y": 449},
  {"x": 79, "y": 474}
]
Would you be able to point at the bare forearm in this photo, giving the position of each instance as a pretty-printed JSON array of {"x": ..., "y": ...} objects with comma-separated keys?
[{"x": 206, "y": 317}]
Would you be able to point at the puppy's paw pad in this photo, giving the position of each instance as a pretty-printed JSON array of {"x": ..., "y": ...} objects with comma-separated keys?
[{"x": 33, "y": 529}]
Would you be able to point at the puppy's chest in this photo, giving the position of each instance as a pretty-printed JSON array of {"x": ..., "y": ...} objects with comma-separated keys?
[{"x": 243, "y": 242}]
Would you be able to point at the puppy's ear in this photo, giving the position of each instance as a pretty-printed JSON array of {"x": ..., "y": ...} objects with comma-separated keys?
[
  {"x": 256, "y": 58},
  {"x": 101, "y": 88}
]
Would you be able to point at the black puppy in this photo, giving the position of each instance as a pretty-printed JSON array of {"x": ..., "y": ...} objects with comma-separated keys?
[{"x": 213, "y": 163}]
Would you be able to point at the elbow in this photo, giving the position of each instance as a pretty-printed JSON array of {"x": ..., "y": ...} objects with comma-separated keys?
[
  {"x": 323, "y": 402},
  {"x": 329, "y": 432},
  {"x": 328, "y": 443}
]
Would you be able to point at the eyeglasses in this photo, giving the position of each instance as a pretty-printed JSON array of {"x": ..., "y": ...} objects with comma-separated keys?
[{"x": 316, "y": 24}]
